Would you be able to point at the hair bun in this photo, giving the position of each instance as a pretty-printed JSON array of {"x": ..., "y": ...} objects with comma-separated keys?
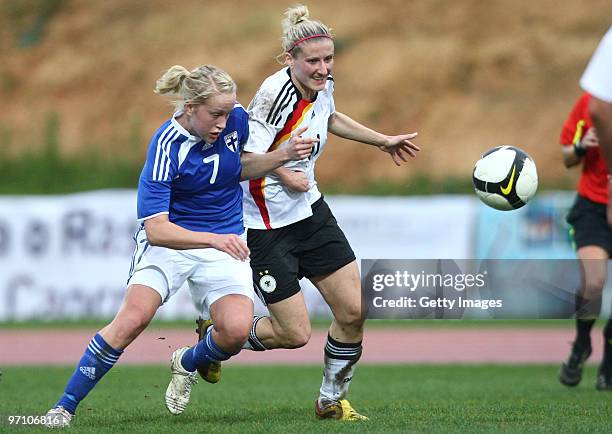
[{"x": 297, "y": 14}]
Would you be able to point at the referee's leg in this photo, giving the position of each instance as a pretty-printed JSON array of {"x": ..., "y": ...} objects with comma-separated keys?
[{"x": 594, "y": 264}]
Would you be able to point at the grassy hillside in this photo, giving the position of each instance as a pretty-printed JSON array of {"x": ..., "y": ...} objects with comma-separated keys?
[{"x": 465, "y": 74}]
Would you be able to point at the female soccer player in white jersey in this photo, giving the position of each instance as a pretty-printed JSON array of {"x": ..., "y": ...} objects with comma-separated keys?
[
  {"x": 291, "y": 231},
  {"x": 190, "y": 206}
]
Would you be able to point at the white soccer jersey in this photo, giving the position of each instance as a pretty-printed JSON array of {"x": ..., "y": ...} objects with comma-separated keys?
[
  {"x": 277, "y": 110},
  {"x": 597, "y": 78}
]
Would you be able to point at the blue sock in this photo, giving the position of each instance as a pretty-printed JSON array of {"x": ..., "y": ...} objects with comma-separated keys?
[
  {"x": 98, "y": 358},
  {"x": 206, "y": 351}
]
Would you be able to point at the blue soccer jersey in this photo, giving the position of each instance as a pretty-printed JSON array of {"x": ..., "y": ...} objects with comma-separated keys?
[{"x": 196, "y": 183}]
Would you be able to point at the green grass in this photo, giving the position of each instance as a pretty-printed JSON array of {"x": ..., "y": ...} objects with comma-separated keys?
[
  {"x": 318, "y": 323},
  {"x": 397, "y": 398},
  {"x": 37, "y": 167}
]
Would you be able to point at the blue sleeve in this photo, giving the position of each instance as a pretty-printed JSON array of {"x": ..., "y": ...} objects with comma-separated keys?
[
  {"x": 155, "y": 182},
  {"x": 245, "y": 132},
  {"x": 242, "y": 125}
]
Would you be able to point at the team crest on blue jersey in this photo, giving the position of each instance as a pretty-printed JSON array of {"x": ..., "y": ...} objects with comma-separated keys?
[{"x": 231, "y": 141}]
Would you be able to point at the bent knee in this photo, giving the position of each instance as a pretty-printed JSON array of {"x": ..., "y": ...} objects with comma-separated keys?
[
  {"x": 234, "y": 334},
  {"x": 593, "y": 287},
  {"x": 352, "y": 318},
  {"x": 296, "y": 338}
]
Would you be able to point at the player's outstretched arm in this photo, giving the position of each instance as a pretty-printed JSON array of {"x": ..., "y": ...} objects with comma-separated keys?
[
  {"x": 257, "y": 165},
  {"x": 399, "y": 147},
  {"x": 162, "y": 232}
]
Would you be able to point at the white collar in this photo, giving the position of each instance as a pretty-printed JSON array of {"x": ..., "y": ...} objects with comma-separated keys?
[{"x": 181, "y": 129}]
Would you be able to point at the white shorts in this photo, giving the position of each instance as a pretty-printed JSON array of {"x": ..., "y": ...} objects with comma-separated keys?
[{"x": 209, "y": 273}]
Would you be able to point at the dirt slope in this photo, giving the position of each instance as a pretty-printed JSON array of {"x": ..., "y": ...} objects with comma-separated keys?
[{"x": 466, "y": 74}]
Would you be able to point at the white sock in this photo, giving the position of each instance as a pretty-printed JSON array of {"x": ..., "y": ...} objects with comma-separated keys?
[{"x": 340, "y": 360}]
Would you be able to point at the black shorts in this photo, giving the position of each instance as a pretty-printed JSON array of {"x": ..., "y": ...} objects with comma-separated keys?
[
  {"x": 312, "y": 247},
  {"x": 589, "y": 224}
]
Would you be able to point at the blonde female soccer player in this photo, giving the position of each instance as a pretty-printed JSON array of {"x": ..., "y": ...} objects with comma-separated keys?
[
  {"x": 291, "y": 231},
  {"x": 190, "y": 207}
]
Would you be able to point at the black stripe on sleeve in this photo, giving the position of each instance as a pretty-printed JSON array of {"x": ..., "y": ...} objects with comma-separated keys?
[
  {"x": 280, "y": 95},
  {"x": 292, "y": 96}
]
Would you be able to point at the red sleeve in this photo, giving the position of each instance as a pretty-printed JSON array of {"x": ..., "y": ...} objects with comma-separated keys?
[{"x": 577, "y": 121}]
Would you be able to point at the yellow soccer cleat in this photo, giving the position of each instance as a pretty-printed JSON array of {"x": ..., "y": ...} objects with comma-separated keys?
[
  {"x": 339, "y": 410},
  {"x": 211, "y": 372}
]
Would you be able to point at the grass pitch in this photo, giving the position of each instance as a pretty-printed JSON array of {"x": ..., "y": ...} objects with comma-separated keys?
[{"x": 267, "y": 399}]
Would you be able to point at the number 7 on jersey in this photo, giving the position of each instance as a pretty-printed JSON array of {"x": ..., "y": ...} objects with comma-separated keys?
[{"x": 214, "y": 158}]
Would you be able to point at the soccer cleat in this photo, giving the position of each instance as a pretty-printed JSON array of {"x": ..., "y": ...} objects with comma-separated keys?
[
  {"x": 570, "y": 373},
  {"x": 58, "y": 417},
  {"x": 604, "y": 379},
  {"x": 179, "y": 389},
  {"x": 211, "y": 372},
  {"x": 339, "y": 410}
]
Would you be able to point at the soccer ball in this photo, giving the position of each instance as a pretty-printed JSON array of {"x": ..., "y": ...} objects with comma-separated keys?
[{"x": 505, "y": 178}]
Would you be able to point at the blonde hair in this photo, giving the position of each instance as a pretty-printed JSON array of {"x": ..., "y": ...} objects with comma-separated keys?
[
  {"x": 194, "y": 87},
  {"x": 297, "y": 27}
]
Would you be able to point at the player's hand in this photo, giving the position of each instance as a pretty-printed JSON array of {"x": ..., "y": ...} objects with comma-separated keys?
[
  {"x": 300, "y": 147},
  {"x": 294, "y": 180},
  {"x": 590, "y": 139},
  {"x": 400, "y": 147},
  {"x": 231, "y": 244}
]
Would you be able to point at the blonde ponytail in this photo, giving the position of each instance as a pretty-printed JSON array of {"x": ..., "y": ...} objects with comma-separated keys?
[
  {"x": 194, "y": 87},
  {"x": 172, "y": 80}
]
